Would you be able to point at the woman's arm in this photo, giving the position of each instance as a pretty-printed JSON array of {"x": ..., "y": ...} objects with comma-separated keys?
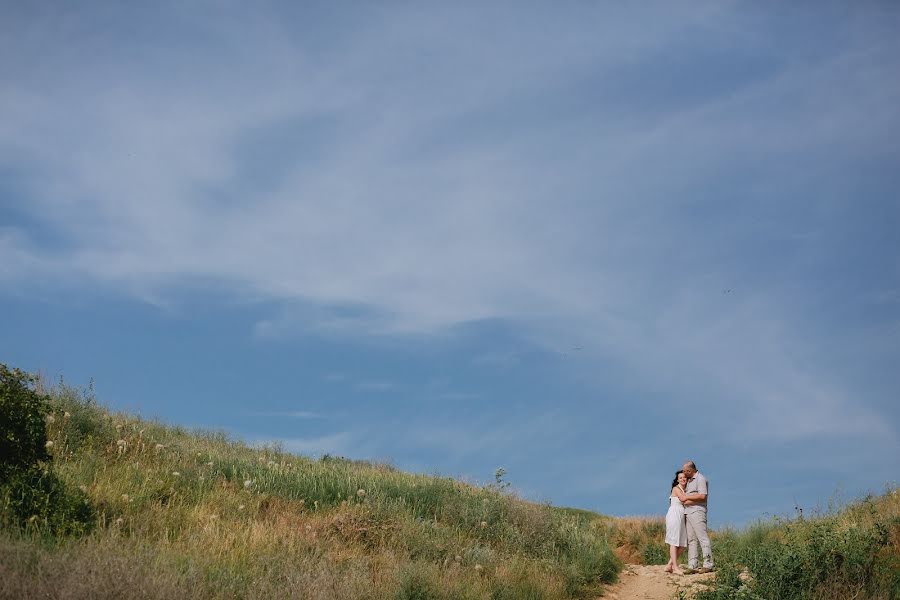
[{"x": 677, "y": 491}]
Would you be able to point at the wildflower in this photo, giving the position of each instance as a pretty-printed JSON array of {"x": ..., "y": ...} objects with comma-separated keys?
[
  {"x": 83, "y": 488},
  {"x": 213, "y": 517},
  {"x": 66, "y": 415},
  {"x": 50, "y": 418},
  {"x": 120, "y": 521},
  {"x": 240, "y": 507},
  {"x": 248, "y": 483},
  {"x": 201, "y": 478},
  {"x": 176, "y": 474},
  {"x": 48, "y": 445},
  {"x": 33, "y": 518},
  {"x": 483, "y": 524},
  {"x": 122, "y": 444},
  {"x": 479, "y": 568},
  {"x": 457, "y": 558},
  {"x": 119, "y": 427},
  {"x": 309, "y": 527},
  {"x": 159, "y": 446},
  {"x": 209, "y": 464},
  {"x": 361, "y": 493},
  {"x": 199, "y": 454}
]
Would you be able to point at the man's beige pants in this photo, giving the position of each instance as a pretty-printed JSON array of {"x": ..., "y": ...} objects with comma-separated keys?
[{"x": 696, "y": 532}]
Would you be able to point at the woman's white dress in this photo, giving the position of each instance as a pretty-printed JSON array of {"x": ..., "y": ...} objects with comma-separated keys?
[{"x": 676, "y": 530}]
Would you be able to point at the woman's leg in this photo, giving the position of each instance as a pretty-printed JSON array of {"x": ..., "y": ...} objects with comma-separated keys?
[
  {"x": 673, "y": 558},
  {"x": 672, "y": 567}
]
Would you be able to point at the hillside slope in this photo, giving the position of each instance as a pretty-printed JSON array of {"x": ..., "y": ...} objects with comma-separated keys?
[{"x": 194, "y": 514}]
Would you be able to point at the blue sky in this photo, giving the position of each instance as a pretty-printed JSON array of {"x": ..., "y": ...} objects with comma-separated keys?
[{"x": 580, "y": 241}]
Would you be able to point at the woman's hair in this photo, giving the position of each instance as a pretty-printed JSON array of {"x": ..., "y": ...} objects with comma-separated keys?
[{"x": 675, "y": 481}]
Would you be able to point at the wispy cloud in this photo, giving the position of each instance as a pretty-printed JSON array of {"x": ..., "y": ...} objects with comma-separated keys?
[
  {"x": 293, "y": 414},
  {"x": 375, "y": 386},
  {"x": 555, "y": 174}
]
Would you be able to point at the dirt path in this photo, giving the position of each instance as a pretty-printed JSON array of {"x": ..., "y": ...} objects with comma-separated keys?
[{"x": 639, "y": 582}]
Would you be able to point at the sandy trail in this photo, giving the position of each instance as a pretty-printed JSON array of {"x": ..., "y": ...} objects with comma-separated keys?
[{"x": 640, "y": 582}]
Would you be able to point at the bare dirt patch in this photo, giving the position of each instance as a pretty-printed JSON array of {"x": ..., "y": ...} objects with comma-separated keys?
[{"x": 642, "y": 582}]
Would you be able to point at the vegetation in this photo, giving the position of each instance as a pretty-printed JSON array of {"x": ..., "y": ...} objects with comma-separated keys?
[
  {"x": 31, "y": 495},
  {"x": 103, "y": 505},
  {"x": 848, "y": 553},
  {"x": 194, "y": 514}
]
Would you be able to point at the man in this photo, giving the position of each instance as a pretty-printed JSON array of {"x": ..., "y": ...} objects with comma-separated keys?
[{"x": 697, "y": 491}]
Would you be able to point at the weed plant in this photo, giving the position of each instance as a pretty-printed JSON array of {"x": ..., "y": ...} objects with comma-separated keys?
[
  {"x": 850, "y": 553},
  {"x": 195, "y": 514}
]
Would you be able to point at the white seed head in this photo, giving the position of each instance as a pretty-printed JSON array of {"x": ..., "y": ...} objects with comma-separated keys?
[
  {"x": 209, "y": 464},
  {"x": 66, "y": 415},
  {"x": 176, "y": 474},
  {"x": 48, "y": 445},
  {"x": 159, "y": 446},
  {"x": 125, "y": 498},
  {"x": 121, "y": 443},
  {"x": 240, "y": 507},
  {"x": 479, "y": 568},
  {"x": 361, "y": 493},
  {"x": 120, "y": 521},
  {"x": 50, "y": 418},
  {"x": 483, "y": 524},
  {"x": 248, "y": 483}
]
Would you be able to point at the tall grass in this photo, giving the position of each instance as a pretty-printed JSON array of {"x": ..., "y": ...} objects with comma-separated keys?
[
  {"x": 182, "y": 513},
  {"x": 852, "y": 553}
]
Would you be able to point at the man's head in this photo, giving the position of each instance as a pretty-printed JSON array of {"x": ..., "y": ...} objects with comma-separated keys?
[{"x": 689, "y": 469}]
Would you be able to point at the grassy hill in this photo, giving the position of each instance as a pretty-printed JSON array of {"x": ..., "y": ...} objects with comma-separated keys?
[
  {"x": 177, "y": 514},
  {"x": 849, "y": 552},
  {"x": 122, "y": 507}
]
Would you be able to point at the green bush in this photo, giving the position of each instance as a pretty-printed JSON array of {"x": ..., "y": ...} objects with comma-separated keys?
[
  {"x": 851, "y": 554},
  {"x": 31, "y": 495},
  {"x": 39, "y": 500},
  {"x": 23, "y": 418}
]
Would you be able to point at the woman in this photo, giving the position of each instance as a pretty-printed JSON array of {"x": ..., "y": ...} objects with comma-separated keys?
[{"x": 676, "y": 530}]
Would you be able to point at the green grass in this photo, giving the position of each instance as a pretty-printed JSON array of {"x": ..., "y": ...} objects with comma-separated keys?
[
  {"x": 853, "y": 552},
  {"x": 193, "y": 513}
]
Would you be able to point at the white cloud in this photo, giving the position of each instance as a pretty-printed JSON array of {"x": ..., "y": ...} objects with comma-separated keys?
[{"x": 423, "y": 208}]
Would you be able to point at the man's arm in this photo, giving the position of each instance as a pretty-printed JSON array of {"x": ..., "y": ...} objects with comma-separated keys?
[{"x": 698, "y": 497}]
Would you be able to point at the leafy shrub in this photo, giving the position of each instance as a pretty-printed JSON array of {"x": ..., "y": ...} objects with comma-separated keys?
[
  {"x": 23, "y": 417},
  {"x": 852, "y": 554},
  {"x": 655, "y": 553},
  {"x": 31, "y": 495},
  {"x": 38, "y": 499}
]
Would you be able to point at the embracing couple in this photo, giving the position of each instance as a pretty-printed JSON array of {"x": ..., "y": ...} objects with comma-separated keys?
[{"x": 686, "y": 520}]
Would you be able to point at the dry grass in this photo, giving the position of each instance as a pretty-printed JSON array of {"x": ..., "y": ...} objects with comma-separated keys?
[{"x": 195, "y": 514}]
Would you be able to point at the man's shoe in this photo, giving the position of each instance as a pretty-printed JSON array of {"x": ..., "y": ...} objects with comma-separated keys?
[
  {"x": 706, "y": 570},
  {"x": 689, "y": 571}
]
